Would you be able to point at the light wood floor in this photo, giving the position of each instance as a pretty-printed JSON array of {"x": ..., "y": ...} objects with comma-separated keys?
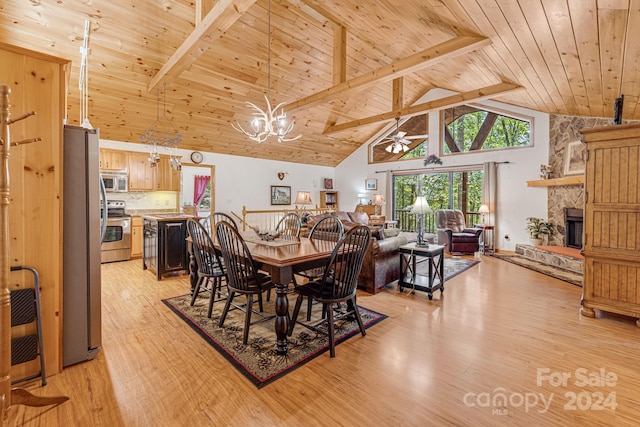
[{"x": 431, "y": 363}]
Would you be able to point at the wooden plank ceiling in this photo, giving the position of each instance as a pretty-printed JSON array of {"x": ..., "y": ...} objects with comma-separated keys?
[{"x": 345, "y": 67}]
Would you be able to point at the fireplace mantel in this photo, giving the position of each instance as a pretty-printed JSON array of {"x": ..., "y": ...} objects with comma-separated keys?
[{"x": 555, "y": 182}]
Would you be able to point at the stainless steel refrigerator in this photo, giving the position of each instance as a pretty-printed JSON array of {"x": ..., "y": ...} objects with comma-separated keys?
[{"x": 81, "y": 333}]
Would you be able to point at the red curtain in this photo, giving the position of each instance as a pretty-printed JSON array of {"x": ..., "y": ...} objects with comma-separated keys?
[{"x": 199, "y": 188}]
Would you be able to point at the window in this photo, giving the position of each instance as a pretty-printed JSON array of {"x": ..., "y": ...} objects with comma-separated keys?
[
  {"x": 468, "y": 128},
  {"x": 205, "y": 202},
  {"x": 460, "y": 190},
  {"x": 414, "y": 132}
]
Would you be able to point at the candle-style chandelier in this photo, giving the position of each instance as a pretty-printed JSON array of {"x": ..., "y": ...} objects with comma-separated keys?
[{"x": 268, "y": 122}]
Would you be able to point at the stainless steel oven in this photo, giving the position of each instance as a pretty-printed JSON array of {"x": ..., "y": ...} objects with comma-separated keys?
[{"x": 116, "y": 244}]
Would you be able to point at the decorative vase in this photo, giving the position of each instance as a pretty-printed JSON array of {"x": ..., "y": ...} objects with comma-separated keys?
[{"x": 536, "y": 241}]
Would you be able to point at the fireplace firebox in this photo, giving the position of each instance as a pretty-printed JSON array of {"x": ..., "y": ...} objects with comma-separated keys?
[{"x": 573, "y": 226}]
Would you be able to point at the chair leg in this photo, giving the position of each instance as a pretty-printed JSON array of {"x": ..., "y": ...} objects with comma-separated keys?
[
  {"x": 247, "y": 318},
  {"x": 196, "y": 290},
  {"x": 358, "y": 318},
  {"x": 294, "y": 316},
  {"x": 309, "y": 304},
  {"x": 226, "y": 308},
  {"x": 260, "y": 300},
  {"x": 212, "y": 298},
  {"x": 332, "y": 343}
]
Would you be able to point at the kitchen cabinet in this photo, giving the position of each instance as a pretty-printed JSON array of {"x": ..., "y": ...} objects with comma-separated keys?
[
  {"x": 165, "y": 245},
  {"x": 113, "y": 160},
  {"x": 329, "y": 200},
  {"x": 137, "y": 230},
  {"x": 140, "y": 173},
  {"x": 165, "y": 177}
]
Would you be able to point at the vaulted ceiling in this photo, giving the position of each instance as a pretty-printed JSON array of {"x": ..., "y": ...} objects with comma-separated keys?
[{"x": 346, "y": 68}]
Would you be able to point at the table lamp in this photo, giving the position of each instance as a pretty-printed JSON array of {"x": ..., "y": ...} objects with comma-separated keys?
[
  {"x": 484, "y": 209},
  {"x": 303, "y": 198},
  {"x": 378, "y": 201},
  {"x": 421, "y": 207}
]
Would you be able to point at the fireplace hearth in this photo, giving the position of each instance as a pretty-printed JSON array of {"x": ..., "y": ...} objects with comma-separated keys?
[{"x": 573, "y": 226}]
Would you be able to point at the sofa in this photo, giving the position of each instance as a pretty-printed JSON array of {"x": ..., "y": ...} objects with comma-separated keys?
[{"x": 381, "y": 260}]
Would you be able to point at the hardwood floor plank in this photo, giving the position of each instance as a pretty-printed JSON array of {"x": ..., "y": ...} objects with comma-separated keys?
[{"x": 498, "y": 328}]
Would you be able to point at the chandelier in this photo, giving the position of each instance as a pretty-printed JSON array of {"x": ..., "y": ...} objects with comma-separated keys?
[
  {"x": 268, "y": 122},
  {"x": 162, "y": 133}
]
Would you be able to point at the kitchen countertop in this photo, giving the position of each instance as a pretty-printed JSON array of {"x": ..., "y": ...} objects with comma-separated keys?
[{"x": 168, "y": 216}]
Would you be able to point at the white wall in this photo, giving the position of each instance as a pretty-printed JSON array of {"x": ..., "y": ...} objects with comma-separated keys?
[
  {"x": 515, "y": 201},
  {"x": 241, "y": 181}
]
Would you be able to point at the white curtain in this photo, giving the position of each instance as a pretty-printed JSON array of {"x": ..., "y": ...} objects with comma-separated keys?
[{"x": 490, "y": 191}]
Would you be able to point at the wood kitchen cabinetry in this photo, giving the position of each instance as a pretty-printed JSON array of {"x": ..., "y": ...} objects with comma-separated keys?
[
  {"x": 611, "y": 238},
  {"x": 141, "y": 176},
  {"x": 115, "y": 160},
  {"x": 165, "y": 177},
  {"x": 136, "y": 236},
  {"x": 329, "y": 200}
]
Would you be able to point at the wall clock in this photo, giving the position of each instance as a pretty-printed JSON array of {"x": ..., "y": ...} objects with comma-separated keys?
[{"x": 196, "y": 157}]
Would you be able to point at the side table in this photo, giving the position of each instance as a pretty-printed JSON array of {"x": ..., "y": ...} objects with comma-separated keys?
[
  {"x": 409, "y": 276},
  {"x": 486, "y": 243}
]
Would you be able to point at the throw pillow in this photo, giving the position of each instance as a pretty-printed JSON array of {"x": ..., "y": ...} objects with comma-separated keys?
[
  {"x": 342, "y": 215},
  {"x": 359, "y": 217}
]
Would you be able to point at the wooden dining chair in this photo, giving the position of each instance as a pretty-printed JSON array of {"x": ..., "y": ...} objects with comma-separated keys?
[
  {"x": 242, "y": 274},
  {"x": 289, "y": 225},
  {"x": 329, "y": 228},
  {"x": 338, "y": 283},
  {"x": 210, "y": 269}
]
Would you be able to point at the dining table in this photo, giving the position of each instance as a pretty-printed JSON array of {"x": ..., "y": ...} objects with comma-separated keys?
[{"x": 281, "y": 258}]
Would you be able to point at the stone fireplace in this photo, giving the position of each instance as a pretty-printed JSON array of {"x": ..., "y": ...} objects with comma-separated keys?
[
  {"x": 562, "y": 131},
  {"x": 573, "y": 227}
]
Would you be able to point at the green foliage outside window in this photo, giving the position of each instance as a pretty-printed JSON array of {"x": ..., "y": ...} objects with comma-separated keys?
[
  {"x": 205, "y": 203},
  {"x": 465, "y": 128}
]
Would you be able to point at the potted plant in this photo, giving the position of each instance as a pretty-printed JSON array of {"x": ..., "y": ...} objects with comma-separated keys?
[{"x": 538, "y": 230}]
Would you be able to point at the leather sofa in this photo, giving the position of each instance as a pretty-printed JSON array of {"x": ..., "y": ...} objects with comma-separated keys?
[
  {"x": 381, "y": 262},
  {"x": 452, "y": 231}
]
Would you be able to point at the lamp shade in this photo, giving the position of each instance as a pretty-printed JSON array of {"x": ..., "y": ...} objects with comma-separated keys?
[
  {"x": 421, "y": 206},
  {"x": 378, "y": 199},
  {"x": 484, "y": 209},
  {"x": 303, "y": 198}
]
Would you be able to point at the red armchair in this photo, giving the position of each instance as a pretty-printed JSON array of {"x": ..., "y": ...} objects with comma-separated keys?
[{"x": 452, "y": 230}]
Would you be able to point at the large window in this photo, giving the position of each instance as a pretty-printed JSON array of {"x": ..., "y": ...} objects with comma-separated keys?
[
  {"x": 460, "y": 190},
  {"x": 468, "y": 128}
]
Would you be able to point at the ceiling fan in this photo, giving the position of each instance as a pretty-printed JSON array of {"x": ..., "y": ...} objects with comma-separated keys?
[{"x": 399, "y": 142}]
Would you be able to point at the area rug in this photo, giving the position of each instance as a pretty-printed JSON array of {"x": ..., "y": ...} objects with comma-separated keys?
[
  {"x": 258, "y": 360},
  {"x": 549, "y": 270}
]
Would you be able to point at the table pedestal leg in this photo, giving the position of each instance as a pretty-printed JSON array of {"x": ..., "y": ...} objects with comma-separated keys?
[{"x": 282, "y": 318}]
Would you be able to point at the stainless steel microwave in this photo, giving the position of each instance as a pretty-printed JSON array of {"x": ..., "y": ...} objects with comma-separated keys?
[{"x": 115, "y": 182}]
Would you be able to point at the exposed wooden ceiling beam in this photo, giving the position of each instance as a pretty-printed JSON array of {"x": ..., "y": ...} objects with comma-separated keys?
[
  {"x": 438, "y": 104},
  {"x": 397, "y": 97},
  {"x": 423, "y": 59},
  {"x": 222, "y": 16},
  {"x": 339, "y": 54}
]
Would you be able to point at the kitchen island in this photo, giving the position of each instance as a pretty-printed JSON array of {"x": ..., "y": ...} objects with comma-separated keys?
[{"x": 165, "y": 248}]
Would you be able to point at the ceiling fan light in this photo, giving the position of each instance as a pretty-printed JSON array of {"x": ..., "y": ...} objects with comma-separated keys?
[{"x": 389, "y": 147}]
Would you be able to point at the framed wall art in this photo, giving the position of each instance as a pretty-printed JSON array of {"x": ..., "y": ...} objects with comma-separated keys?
[
  {"x": 328, "y": 184},
  {"x": 575, "y": 158},
  {"x": 371, "y": 184},
  {"x": 280, "y": 195}
]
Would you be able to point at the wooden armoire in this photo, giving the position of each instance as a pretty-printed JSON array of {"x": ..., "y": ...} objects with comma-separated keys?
[{"x": 611, "y": 239}]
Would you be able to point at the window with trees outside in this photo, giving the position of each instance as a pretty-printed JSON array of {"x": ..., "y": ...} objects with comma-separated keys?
[
  {"x": 469, "y": 128},
  {"x": 460, "y": 190}
]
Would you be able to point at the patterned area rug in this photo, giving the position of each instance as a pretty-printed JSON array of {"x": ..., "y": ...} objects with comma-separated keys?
[{"x": 258, "y": 360}]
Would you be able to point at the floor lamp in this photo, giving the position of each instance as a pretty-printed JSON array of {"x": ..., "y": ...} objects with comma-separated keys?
[{"x": 420, "y": 208}]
